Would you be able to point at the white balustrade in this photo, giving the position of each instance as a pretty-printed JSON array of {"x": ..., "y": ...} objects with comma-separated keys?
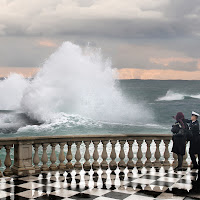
[{"x": 60, "y": 158}]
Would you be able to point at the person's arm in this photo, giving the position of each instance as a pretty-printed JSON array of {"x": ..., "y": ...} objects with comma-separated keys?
[{"x": 187, "y": 121}]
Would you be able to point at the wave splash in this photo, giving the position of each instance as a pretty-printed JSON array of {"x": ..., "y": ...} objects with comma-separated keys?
[
  {"x": 11, "y": 90},
  {"x": 175, "y": 96},
  {"x": 78, "y": 82}
]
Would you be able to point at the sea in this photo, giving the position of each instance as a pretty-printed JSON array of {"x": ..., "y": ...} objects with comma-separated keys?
[{"x": 76, "y": 92}]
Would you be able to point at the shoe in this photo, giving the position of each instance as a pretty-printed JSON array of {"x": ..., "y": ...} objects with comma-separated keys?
[
  {"x": 195, "y": 167},
  {"x": 178, "y": 169}
]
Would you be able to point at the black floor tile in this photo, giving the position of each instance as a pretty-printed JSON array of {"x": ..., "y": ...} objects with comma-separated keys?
[
  {"x": 185, "y": 181},
  {"x": 44, "y": 181},
  {"x": 77, "y": 188},
  {"x": 150, "y": 177},
  {"x": 117, "y": 195},
  {"x": 162, "y": 183},
  {"x": 171, "y": 175},
  {"x": 16, "y": 182},
  {"x": 148, "y": 193},
  {"x": 46, "y": 189},
  {"x": 191, "y": 198},
  {"x": 82, "y": 196},
  {"x": 17, "y": 197},
  {"x": 177, "y": 192},
  {"x": 49, "y": 197},
  {"x": 15, "y": 189},
  {"x": 134, "y": 185}
]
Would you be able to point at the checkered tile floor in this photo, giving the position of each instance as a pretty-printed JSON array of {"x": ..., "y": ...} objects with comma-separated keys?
[{"x": 103, "y": 185}]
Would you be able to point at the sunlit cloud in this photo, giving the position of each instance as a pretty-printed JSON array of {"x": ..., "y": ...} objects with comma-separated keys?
[
  {"x": 26, "y": 72},
  {"x": 167, "y": 61},
  {"x": 131, "y": 73},
  {"x": 47, "y": 43}
]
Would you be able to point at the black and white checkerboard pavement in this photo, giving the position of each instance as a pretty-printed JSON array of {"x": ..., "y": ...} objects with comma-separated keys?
[{"x": 103, "y": 185}]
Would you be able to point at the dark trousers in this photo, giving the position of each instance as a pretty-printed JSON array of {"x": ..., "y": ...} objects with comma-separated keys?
[
  {"x": 193, "y": 158},
  {"x": 180, "y": 160}
]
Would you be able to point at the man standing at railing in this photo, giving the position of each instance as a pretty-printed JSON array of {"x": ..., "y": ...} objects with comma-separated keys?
[{"x": 195, "y": 139}]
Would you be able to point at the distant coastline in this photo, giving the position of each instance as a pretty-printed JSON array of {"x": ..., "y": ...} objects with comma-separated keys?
[{"x": 30, "y": 78}]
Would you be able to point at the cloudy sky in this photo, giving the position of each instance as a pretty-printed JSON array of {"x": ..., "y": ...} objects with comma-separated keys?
[{"x": 148, "y": 39}]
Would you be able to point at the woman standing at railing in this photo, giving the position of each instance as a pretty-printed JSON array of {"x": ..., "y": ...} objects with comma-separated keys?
[{"x": 179, "y": 138}]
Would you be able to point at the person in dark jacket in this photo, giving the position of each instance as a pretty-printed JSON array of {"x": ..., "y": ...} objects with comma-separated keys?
[
  {"x": 179, "y": 138},
  {"x": 195, "y": 139}
]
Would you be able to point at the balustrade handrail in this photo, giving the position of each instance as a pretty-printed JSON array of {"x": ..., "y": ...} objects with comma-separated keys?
[{"x": 62, "y": 138}]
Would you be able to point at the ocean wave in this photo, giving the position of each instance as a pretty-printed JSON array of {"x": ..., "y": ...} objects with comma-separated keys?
[
  {"x": 73, "y": 86},
  {"x": 76, "y": 80},
  {"x": 62, "y": 121},
  {"x": 175, "y": 96}
]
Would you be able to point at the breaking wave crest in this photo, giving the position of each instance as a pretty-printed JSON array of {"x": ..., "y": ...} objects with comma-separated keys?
[{"x": 175, "y": 96}]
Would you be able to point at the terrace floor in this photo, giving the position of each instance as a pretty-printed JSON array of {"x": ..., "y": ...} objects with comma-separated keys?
[{"x": 103, "y": 185}]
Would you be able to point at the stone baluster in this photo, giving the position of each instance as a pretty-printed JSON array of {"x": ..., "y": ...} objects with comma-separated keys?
[
  {"x": 113, "y": 164},
  {"x": 157, "y": 162},
  {"x": 148, "y": 162},
  {"x": 8, "y": 162},
  {"x": 44, "y": 158},
  {"x": 130, "y": 163},
  {"x": 139, "y": 154},
  {"x": 0, "y": 162},
  {"x": 95, "y": 164},
  {"x": 87, "y": 165},
  {"x": 53, "y": 158},
  {"x": 104, "y": 164},
  {"x": 166, "y": 154},
  {"x": 122, "y": 164},
  {"x": 78, "y": 156},
  {"x": 62, "y": 157},
  {"x": 69, "y": 165},
  {"x": 175, "y": 162},
  {"x": 36, "y": 158}
]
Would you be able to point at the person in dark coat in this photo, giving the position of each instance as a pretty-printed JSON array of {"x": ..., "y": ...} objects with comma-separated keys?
[
  {"x": 179, "y": 138},
  {"x": 195, "y": 139}
]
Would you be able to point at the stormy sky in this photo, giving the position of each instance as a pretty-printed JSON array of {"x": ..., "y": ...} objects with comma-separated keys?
[{"x": 144, "y": 38}]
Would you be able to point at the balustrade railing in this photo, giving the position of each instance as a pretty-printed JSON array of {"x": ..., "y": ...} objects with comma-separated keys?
[{"x": 44, "y": 153}]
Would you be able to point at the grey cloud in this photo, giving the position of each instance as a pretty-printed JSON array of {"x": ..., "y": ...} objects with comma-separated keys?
[
  {"x": 129, "y": 41},
  {"x": 174, "y": 23},
  {"x": 189, "y": 66},
  {"x": 22, "y": 52}
]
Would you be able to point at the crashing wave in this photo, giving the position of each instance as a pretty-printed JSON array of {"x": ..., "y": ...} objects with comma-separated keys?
[
  {"x": 175, "y": 96},
  {"x": 77, "y": 82}
]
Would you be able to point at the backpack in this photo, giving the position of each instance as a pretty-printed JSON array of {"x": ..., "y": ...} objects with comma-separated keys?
[{"x": 184, "y": 132}]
